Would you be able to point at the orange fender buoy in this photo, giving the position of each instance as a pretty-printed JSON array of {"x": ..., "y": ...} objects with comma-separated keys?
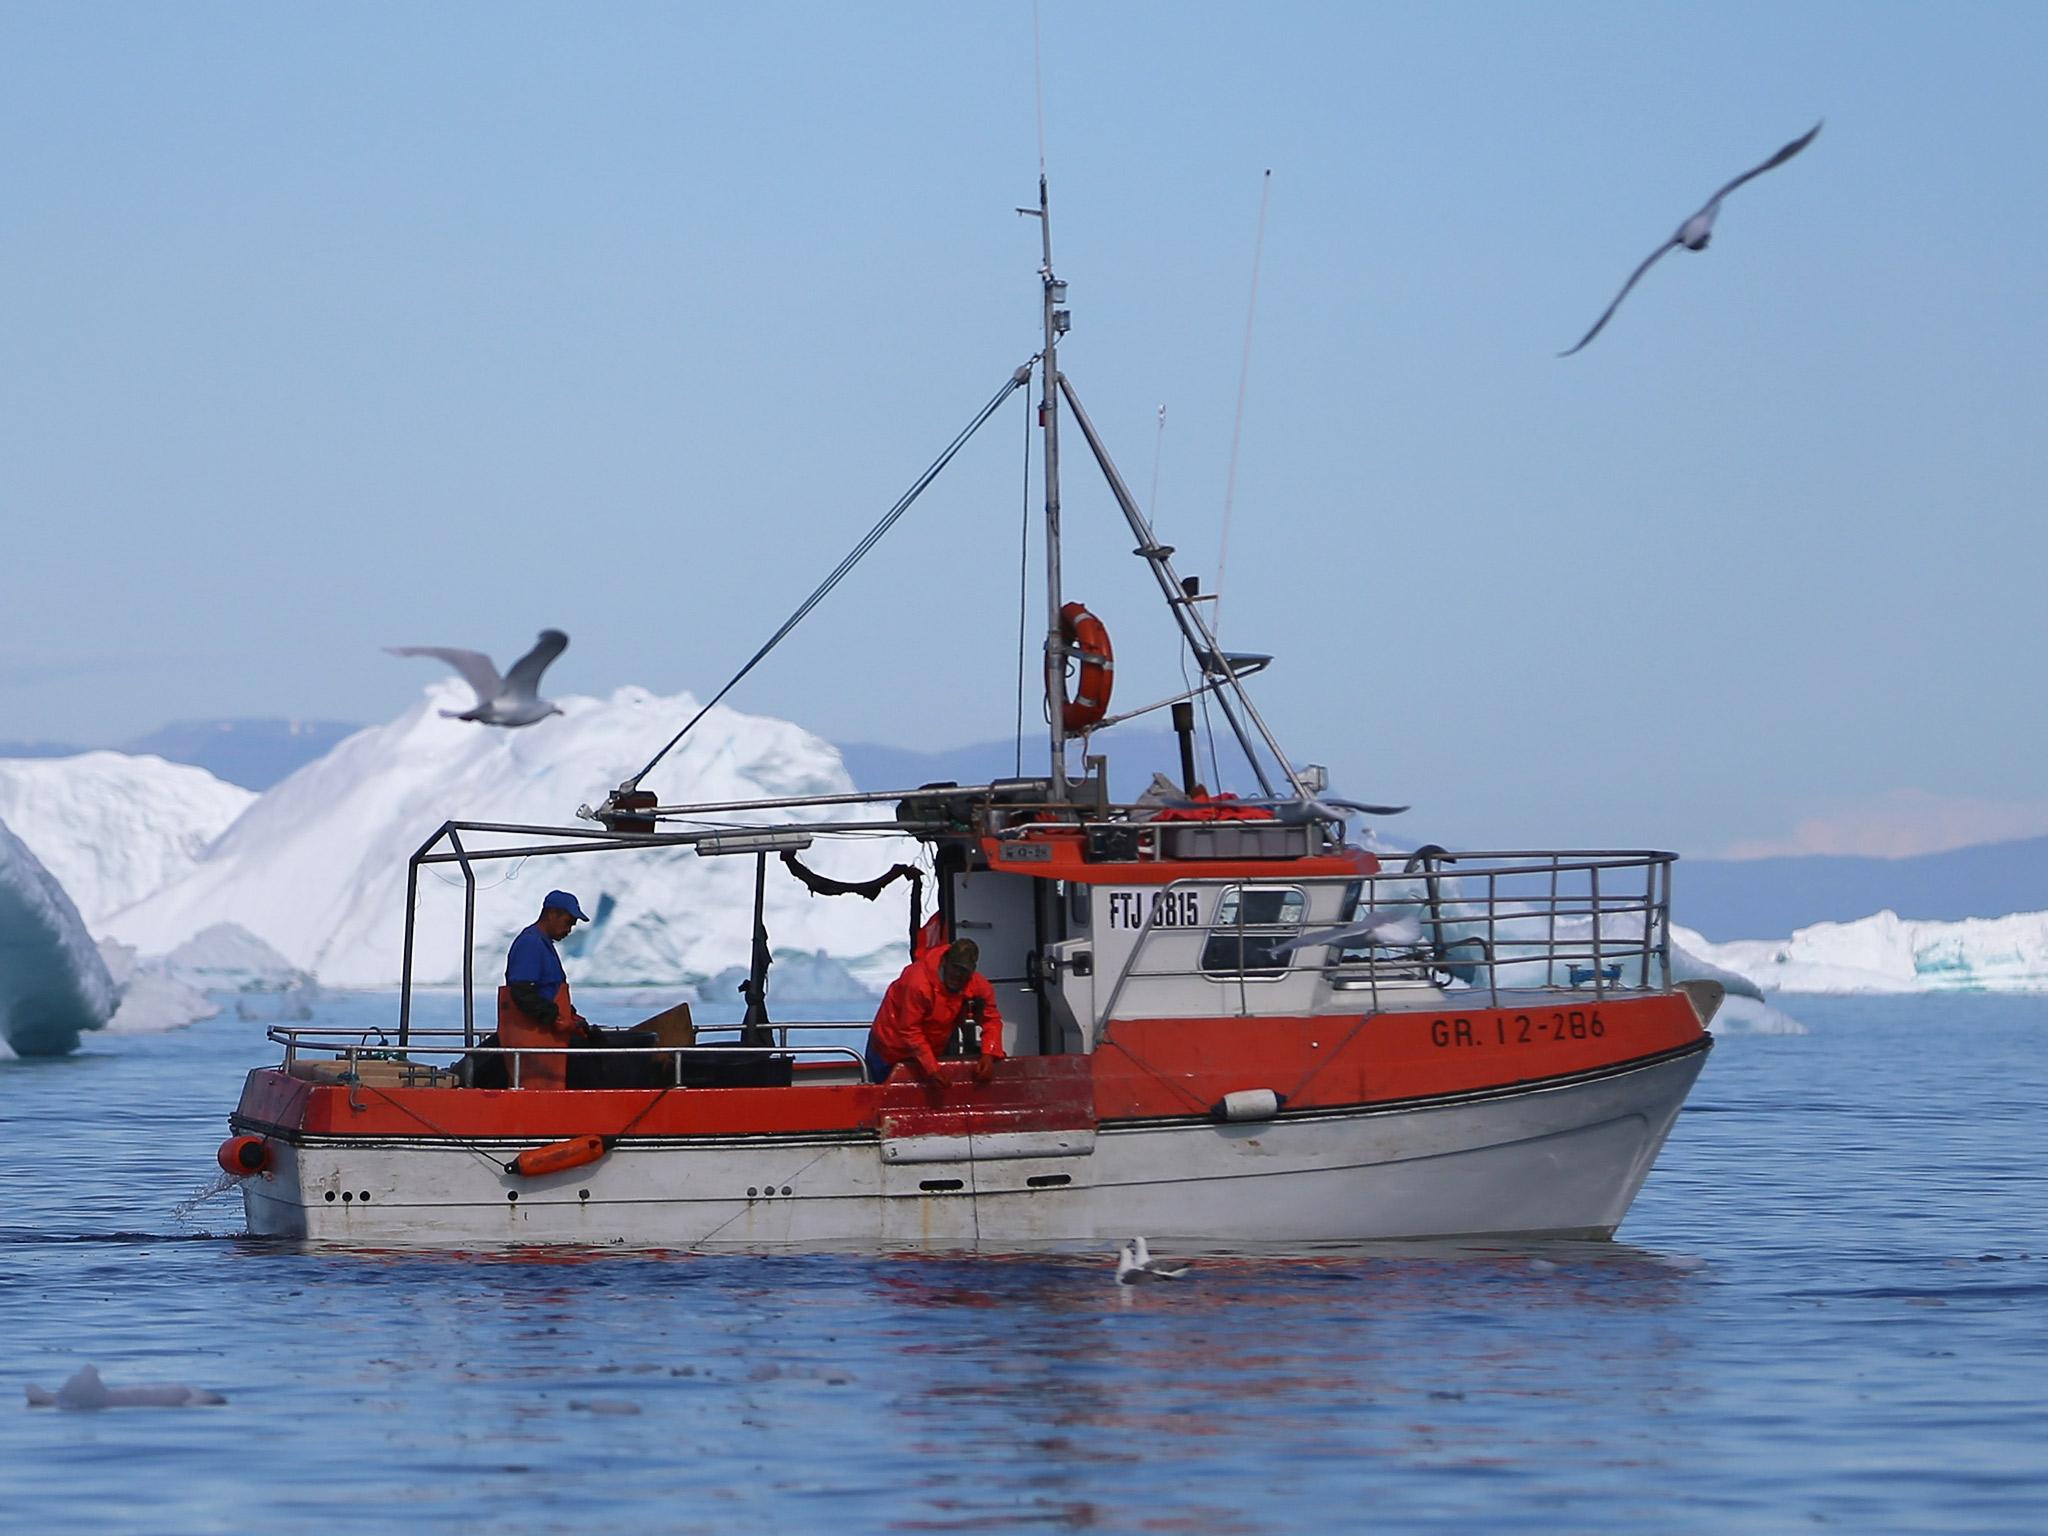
[
  {"x": 243, "y": 1155},
  {"x": 559, "y": 1156},
  {"x": 1088, "y": 642}
]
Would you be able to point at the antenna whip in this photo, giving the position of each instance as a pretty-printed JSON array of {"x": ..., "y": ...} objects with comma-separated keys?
[{"x": 1244, "y": 369}]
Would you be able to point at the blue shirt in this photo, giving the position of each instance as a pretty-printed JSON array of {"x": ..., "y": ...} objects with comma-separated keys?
[{"x": 533, "y": 958}]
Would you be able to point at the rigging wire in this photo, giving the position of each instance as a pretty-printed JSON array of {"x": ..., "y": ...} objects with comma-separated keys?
[
  {"x": 1023, "y": 582},
  {"x": 505, "y": 879},
  {"x": 1244, "y": 370},
  {"x": 868, "y": 541}
]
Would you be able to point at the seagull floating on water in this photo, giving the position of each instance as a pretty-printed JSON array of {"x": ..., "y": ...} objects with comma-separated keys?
[
  {"x": 1135, "y": 1265},
  {"x": 1696, "y": 231},
  {"x": 85, "y": 1391},
  {"x": 509, "y": 700}
]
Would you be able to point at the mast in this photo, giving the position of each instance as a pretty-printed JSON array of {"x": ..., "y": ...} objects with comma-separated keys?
[{"x": 1054, "y": 297}]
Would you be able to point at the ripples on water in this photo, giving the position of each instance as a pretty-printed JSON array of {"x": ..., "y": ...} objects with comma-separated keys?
[{"x": 1828, "y": 1312}]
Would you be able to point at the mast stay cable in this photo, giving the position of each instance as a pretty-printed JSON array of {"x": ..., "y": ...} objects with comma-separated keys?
[
  {"x": 1023, "y": 585},
  {"x": 869, "y": 540}
]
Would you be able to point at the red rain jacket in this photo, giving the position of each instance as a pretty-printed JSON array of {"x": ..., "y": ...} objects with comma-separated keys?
[{"x": 918, "y": 1014}]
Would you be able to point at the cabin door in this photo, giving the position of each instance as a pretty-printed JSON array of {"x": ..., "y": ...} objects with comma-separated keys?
[{"x": 1000, "y": 913}]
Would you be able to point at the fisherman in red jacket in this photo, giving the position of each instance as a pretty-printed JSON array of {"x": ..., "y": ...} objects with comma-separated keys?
[{"x": 923, "y": 1006}]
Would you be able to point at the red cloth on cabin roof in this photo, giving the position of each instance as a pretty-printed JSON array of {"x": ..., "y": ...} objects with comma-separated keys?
[
  {"x": 918, "y": 1014},
  {"x": 1223, "y": 807}
]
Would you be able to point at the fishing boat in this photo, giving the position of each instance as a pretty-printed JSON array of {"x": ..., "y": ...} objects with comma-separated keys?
[{"x": 1226, "y": 1021}]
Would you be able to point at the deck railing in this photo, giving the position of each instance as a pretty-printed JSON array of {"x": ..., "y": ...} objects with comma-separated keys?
[
  {"x": 373, "y": 1043},
  {"x": 1492, "y": 922}
]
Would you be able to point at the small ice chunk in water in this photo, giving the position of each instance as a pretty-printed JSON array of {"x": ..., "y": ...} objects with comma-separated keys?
[
  {"x": 1542, "y": 1267},
  {"x": 85, "y": 1391}
]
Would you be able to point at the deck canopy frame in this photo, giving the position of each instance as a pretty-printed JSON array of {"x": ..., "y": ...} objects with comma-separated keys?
[{"x": 447, "y": 846}]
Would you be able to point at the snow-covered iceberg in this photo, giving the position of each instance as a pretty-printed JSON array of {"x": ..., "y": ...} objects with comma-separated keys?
[
  {"x": 53, "y": 983},
  {"x": 114, "y": 828},
  {"x": 1888, "y": 953},
  {"x": 316, "y": 867}
]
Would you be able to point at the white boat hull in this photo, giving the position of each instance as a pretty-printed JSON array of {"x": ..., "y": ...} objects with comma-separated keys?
[{"x": 1563, "y": 1160}]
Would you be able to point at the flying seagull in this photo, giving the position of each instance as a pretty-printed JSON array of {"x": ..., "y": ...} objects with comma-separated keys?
[
  {"x": 1696, "y": 231},
  {"x": 509, "y": 700},
  {"x": 1384, "y": 930},
  {"x": 1135, "y": 1265}
]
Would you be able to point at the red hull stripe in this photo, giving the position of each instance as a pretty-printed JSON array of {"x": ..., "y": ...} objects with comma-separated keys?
[{"x": 1144, "y": 1069}]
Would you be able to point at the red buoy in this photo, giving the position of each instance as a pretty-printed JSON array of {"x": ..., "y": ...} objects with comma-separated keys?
[
  {"x": 244, "y": 1155},
  {"x": 558, "y": 1156}
]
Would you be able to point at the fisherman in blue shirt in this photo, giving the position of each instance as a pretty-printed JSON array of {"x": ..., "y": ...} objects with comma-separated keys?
[{"x": 533, "y": 968}]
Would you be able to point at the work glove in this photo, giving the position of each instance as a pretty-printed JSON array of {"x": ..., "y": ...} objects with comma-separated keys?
[{"x": 984, "y": 1069}]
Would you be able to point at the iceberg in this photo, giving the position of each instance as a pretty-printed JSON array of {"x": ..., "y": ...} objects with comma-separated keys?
[
  {"x": 227, "y": 957},
  {"x": 1888, "y": 953},
  {"x": 114, "y": 828},
  {"x": 316, "y": 867},
  {"x": 53, "y": 983}
]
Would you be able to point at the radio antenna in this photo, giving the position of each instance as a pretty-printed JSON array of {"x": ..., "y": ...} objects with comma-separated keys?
[
  {"x": 1244, "y": 369},
  {"x": 1038, "y": 87}
]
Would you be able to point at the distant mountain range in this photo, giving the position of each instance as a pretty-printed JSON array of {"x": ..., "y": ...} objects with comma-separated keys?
[
  {"x": 1770, "y": 898},
  {"x": 252, "y": 753},
  {"x": 1722, "y": 898}
]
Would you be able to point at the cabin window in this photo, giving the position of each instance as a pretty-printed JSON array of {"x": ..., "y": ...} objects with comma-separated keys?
[{"x": 1250, "y": 921}]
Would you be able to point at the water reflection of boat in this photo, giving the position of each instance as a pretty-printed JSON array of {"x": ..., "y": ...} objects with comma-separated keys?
[{"x": 1225, "y": 1021}]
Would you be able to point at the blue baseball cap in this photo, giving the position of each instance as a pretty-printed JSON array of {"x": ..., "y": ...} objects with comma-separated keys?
[{"x": 562, "y": 901}]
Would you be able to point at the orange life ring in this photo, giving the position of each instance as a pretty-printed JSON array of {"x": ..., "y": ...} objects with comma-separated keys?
[{"x": 1087, "y": 643}]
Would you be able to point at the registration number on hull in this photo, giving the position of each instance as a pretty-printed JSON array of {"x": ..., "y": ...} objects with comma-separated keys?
[{"x": 1547, "y": 1026}]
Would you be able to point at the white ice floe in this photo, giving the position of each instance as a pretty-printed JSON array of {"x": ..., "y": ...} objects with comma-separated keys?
[
  {"x": 151, "y": 999},
  {"x": 1888, "y": 953},
  {"x": 114, "y": 828},
  {"x": 86, "y": 1392},
  {"x": 316, "y": 867},
  {"x": 53, "y": 983},
  {"x": 1752, "y": 1016}
]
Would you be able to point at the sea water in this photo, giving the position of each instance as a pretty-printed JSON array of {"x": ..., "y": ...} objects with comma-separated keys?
[{"x": 1828, "y": 1309}]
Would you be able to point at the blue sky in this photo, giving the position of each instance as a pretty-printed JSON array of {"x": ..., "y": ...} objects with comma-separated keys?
[{"x": 334, "y": 328}]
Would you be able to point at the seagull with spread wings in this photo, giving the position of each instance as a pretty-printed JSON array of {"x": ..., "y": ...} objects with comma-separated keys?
[
  {"x": 1696, "y": 231},
  {"x": 513, "y": 699}
]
